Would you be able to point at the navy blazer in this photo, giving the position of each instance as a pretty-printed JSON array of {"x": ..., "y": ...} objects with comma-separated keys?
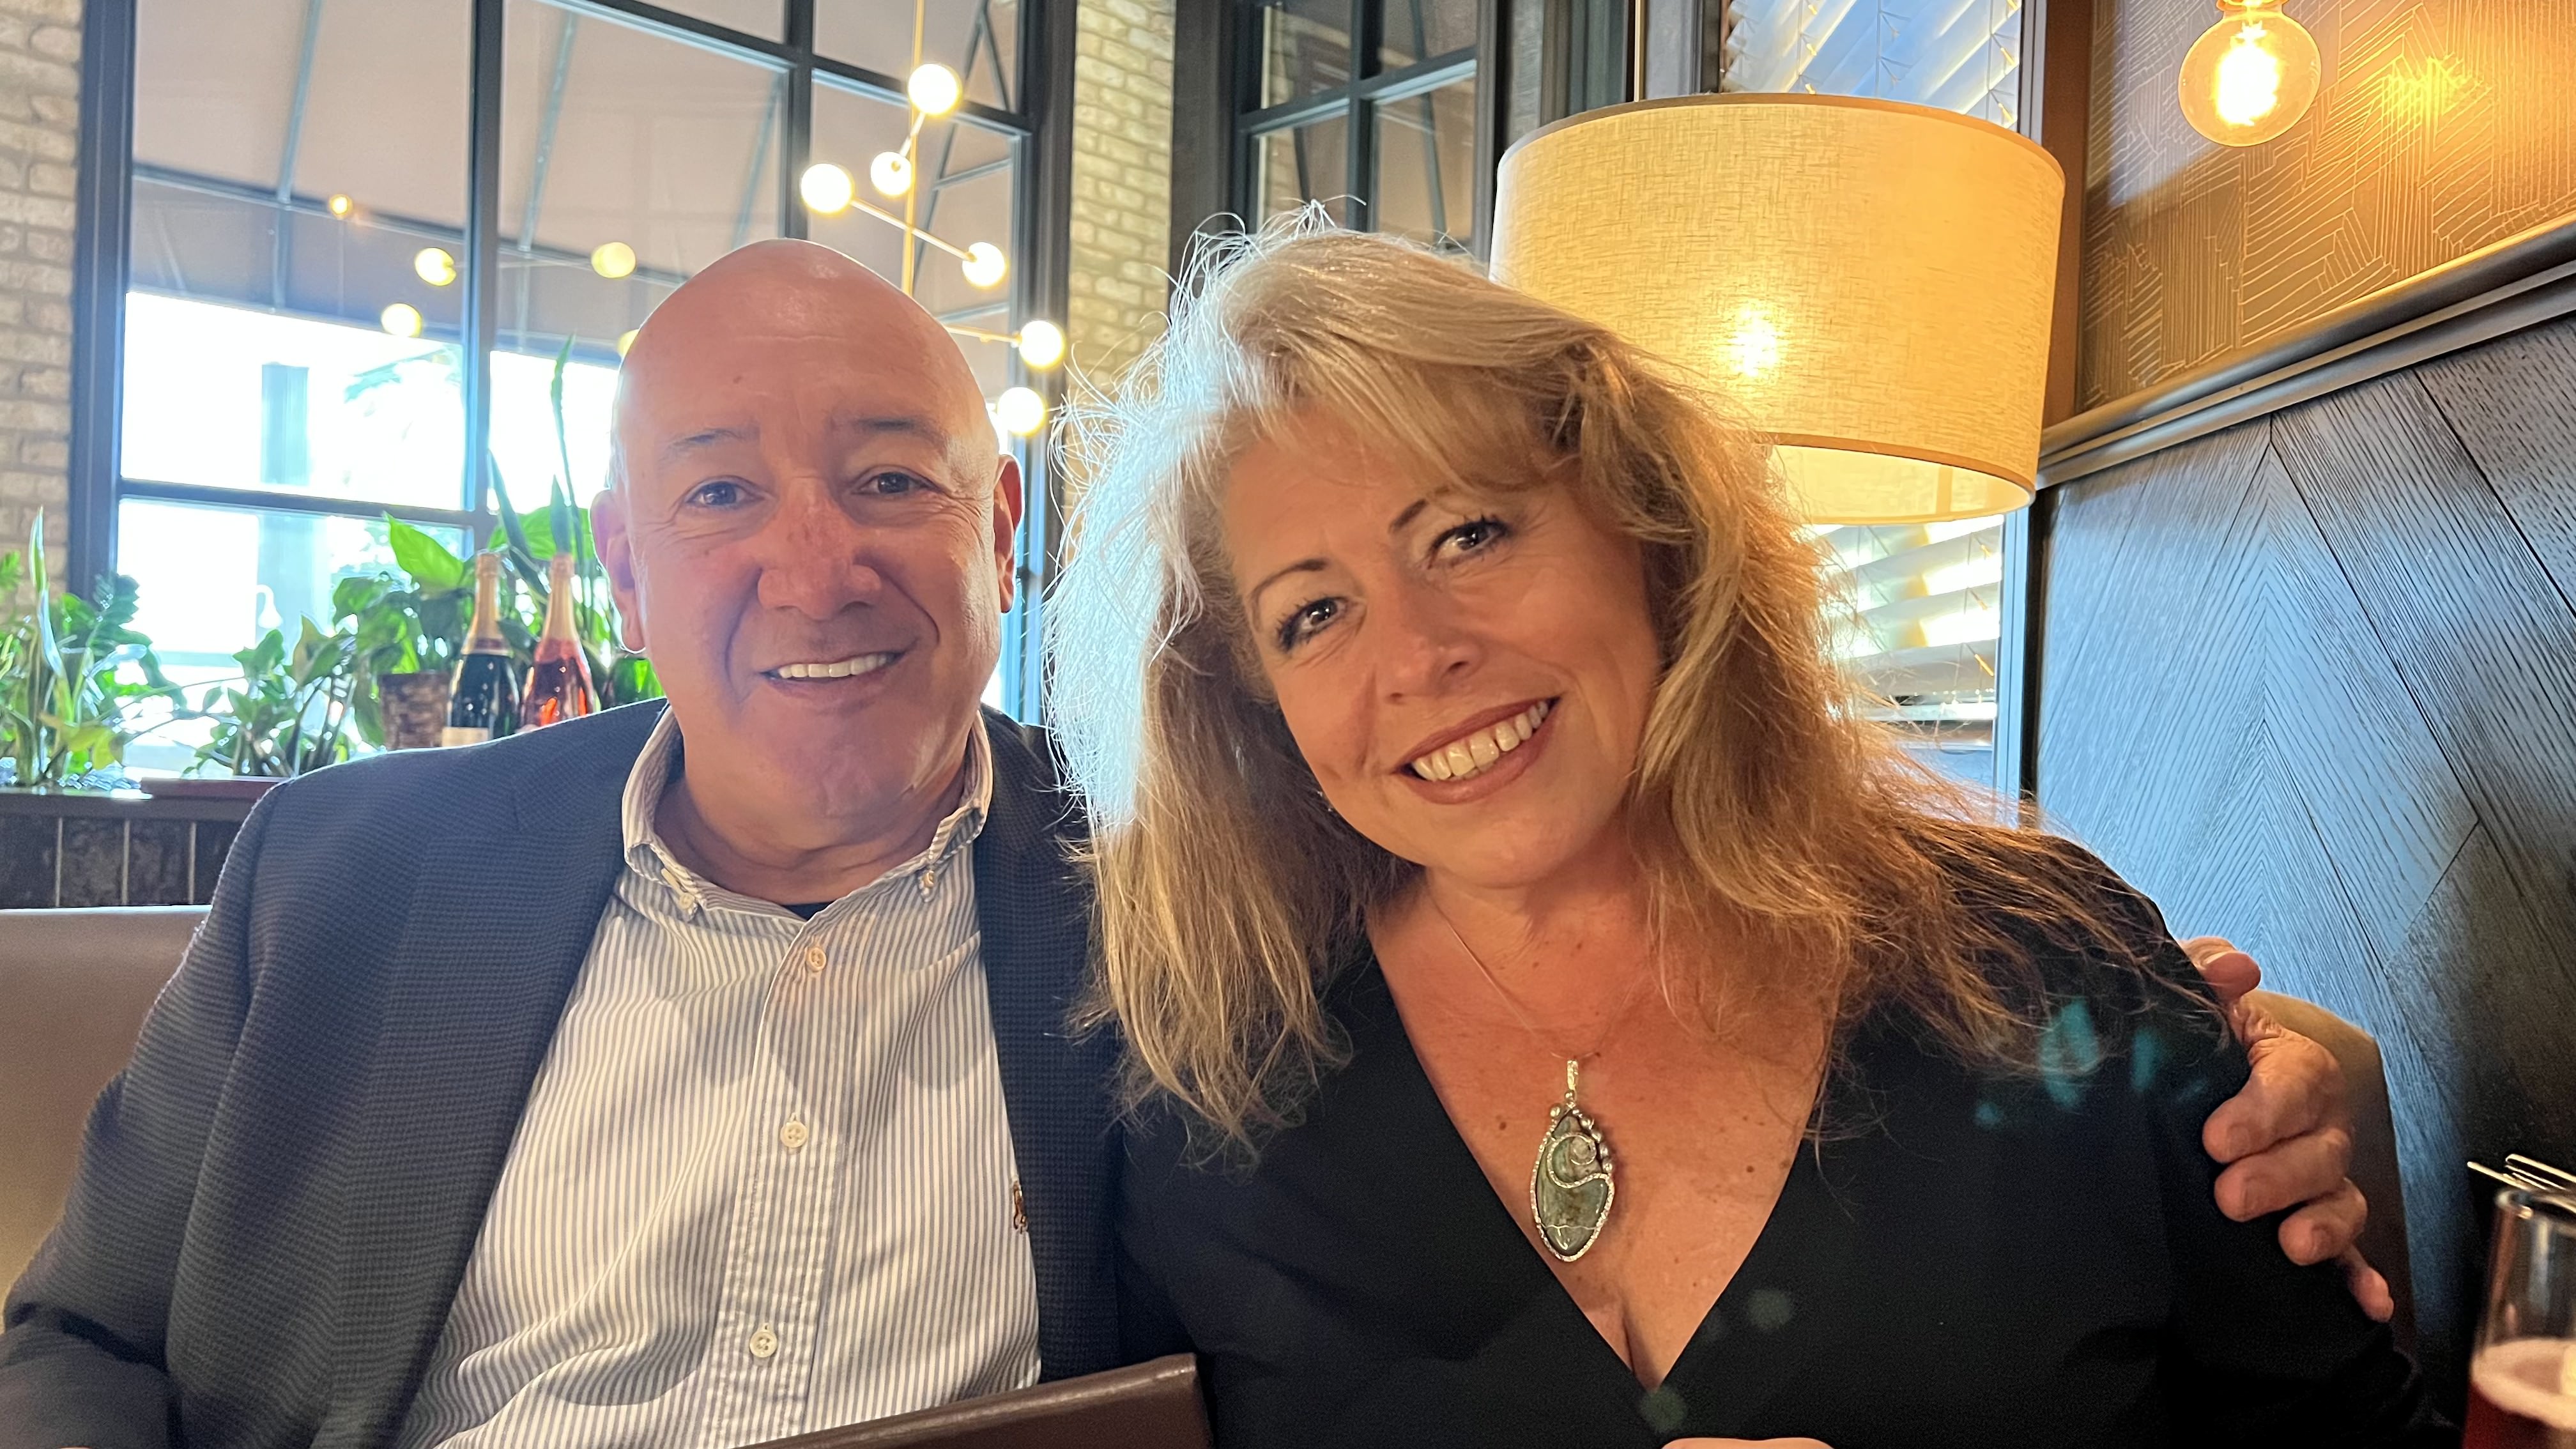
[{"x": 277, "y": 1196}]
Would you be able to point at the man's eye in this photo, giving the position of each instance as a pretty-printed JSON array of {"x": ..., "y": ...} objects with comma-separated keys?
[
  {"x": 1302, "y": 623},
  {"x": 896, "y": 485},
  {"x": 722, "y": 493}
]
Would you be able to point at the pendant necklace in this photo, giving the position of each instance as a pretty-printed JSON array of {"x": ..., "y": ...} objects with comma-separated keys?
[{"x": 1570, "y": 1184}]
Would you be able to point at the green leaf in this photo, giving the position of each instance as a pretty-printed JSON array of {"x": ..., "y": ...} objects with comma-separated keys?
[{"x": 427, "y": 560}]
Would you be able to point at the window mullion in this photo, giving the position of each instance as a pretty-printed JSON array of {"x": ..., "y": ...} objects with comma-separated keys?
[{"x": 482, "y": 273}]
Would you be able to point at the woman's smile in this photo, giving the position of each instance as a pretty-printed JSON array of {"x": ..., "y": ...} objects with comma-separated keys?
[{"x": 1471, "y": 762}]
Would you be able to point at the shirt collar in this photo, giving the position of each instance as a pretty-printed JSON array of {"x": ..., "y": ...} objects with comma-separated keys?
[{"x": 649, "y": 857}]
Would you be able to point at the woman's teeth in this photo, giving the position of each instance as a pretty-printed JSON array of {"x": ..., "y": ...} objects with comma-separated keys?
[
  {"x": 1473, "y": 754},
  {"x": 835, "y": 669}
]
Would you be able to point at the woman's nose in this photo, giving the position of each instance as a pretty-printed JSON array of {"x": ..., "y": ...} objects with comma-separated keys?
[{"x": 1429, "y": 645}]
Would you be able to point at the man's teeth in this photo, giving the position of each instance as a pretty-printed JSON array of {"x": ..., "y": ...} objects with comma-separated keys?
[
  {"x": 1473, "y": 754},
  {"x": 835, "y": 669}
]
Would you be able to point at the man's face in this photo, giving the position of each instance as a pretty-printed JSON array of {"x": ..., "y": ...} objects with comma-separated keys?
[{"x": 812, "y": 537}]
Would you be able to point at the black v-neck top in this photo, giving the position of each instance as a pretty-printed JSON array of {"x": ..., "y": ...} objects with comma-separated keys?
[{"x": 1962, "y": 1257}]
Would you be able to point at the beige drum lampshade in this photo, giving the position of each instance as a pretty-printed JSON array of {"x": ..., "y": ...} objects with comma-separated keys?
[{"x": 1870, "y": 282}]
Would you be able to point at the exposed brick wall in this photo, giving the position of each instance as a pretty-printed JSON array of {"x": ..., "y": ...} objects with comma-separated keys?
[
  {"x": 39, "y": 143},
  {"x": 1122, "y": 180}
]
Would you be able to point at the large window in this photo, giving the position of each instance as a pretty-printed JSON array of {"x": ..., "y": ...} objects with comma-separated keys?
[
  {"x": 1368, "y": 106},
  {"x": 322, "y": 328}
]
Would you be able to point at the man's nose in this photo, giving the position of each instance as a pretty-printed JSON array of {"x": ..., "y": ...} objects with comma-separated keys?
[
  {"x": 815, "y": 558},
  {"x": 1428, "y": 646}
]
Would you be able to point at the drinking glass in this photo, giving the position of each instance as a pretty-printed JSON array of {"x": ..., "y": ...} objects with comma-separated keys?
[{"x": 2522, "y": 1382}]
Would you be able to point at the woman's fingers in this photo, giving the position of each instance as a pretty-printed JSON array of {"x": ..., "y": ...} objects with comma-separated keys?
[{"x": 1746, "y": 1444}]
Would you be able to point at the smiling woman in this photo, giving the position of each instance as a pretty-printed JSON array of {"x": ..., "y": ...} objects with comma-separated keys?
[{"x": 1482, "y": 822}]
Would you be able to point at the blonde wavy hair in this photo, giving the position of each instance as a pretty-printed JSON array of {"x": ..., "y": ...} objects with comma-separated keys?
[{"x": 1762, "y": 802}]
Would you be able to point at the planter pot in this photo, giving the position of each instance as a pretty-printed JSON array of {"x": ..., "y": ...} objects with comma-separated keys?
[{"x": 415, "y": 708}]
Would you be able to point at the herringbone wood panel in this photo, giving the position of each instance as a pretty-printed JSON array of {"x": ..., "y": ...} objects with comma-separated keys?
[{"x": 2311, "y": 684}]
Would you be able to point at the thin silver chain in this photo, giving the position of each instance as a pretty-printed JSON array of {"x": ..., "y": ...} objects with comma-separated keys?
[{"x": 1514, "y": 1007}]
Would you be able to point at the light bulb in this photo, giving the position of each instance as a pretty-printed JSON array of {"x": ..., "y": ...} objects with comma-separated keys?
[
  {"x": 985, "y": 266},
  {"x": 934, "y": 89},
  {"x": 826, "y": 189},
  {"x": 1041, "y": 344},
  {"x": 625, "y": 340},
  {"x": 434, "y": 265},
  {"x": 341, "y": 206},
  {"x": 613, "y": 260},
  {"x": 402, "y": 319},
  {"x": 2251, "y": 76},
  {"x": 1754, "y": 347},
  {"x": 1020, "y": 411},
  {"x": 891, "y": 173}
]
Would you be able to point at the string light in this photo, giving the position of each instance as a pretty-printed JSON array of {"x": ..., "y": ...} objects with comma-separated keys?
[
  {"x": 1041, "y": 344},
  {"x": 340, "y": 206},
  {"x": 984, "y": 265},
  {"x": 826, "y": 189},
  {"x": 934, "y": 90},
  {"x": 1020, "y": 411},
  {"x": 890, "y": 173},
  {"x": 613, "y": 260},
  {"x": 625, "y": 340},
  {"x": 434, "y": 265},
  {"x": 402, "y": 319}
]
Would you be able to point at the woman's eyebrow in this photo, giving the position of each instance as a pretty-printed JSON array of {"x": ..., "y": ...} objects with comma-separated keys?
[{"x": 1301, "y": 566}]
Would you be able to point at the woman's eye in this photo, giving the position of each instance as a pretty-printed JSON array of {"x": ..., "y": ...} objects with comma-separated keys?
[
  {"x": 721, "y": 493},
  {"x": 1473, "y": 536},
  {"x": 1302, "y": 624}
]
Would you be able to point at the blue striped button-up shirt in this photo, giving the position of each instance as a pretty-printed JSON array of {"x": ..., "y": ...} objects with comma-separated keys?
[{"x": 763, "y": 1184}]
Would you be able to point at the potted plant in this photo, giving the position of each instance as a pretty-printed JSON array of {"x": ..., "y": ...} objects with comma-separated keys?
[
  {"x": 74, "y": 674},
  {"x": 406, "y": 636},
  {"x": 289, "y": 712}
]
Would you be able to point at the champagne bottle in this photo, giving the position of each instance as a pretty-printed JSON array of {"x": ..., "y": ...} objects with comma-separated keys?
[
  {"x": 484, "y": 701},
  {"x": 558, "y": 685}
]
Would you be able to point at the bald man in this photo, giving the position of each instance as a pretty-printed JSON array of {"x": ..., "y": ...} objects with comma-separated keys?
[
  {"x": 677, "y": 1077},
  {"x": 686, "y": 1076}
]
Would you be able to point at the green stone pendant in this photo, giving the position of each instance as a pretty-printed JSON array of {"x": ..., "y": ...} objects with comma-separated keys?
[{"x": 1570, "y": 1187}]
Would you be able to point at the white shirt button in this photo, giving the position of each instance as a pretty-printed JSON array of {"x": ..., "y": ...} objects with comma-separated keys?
[
  {"x": 814, "y": 958},
  {"x": 763, "y": 1342},
  {"x": 794, "y": 1135}
]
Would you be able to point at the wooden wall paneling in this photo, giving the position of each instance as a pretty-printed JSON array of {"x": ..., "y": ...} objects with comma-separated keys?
[
  {"x": 2395, "y": 837},
  {"x": 2353, "y": 747},
  {"x": 2513, "y": 405},
  {"x": 2463, "y": 607}
]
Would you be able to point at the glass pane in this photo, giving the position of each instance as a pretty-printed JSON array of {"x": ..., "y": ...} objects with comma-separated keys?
[
  {"x": 258, "y": 351},
  {"x": 764, "y": 18},
  {"x": 1308, "y": 163},
  {"x": 250, "y": 399},
  {"x": 978, "y": 39},
  {"x": 1305, "y": 48},
  {"x": 214, "y": 579},
  {"x": 965, "y": 191},
  {"x": 1414, "y": 30},
  {"x": 629, "y": 160},
  {"x": 1426, "y": 165},
  {"x": 1958, "y": 55},
  {"x": 1928, "y": 601}
]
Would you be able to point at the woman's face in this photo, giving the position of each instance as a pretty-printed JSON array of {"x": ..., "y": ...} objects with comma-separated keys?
[{"x": 1468, "y": 677}]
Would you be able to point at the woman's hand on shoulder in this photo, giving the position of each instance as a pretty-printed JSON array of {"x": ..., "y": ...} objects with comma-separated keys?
[
  {"x": 2287, "y": 1137},
  {"x": 1746, "y": 1444}
]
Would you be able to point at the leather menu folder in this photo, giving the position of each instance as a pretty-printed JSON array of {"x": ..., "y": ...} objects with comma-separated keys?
[{"x": 1150, "y": 1406}]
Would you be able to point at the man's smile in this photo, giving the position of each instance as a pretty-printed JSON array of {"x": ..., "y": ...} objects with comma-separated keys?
[{"x": 823, "y": 669}]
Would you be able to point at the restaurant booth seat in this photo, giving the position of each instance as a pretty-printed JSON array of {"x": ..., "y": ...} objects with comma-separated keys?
[{"x": 74, "y": 985}]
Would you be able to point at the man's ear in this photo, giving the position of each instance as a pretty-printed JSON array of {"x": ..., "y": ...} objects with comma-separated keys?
[
  {"x": 616, "y": 549},
  {"x": 1010, "y": 499}
]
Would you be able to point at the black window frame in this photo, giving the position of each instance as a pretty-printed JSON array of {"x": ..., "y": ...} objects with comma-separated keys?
[
  {"x": 1040, "y": 128},
  {"x": 1356, "y": 100}
]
